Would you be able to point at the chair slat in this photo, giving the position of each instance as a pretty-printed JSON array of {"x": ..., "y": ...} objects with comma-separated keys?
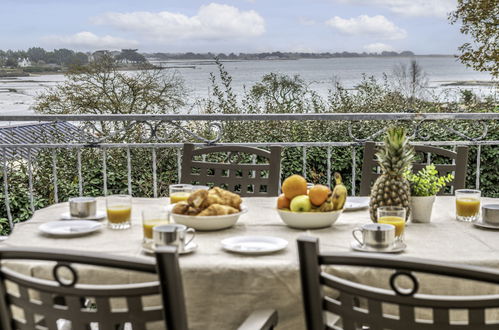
[{"x": 476, "y": 316}]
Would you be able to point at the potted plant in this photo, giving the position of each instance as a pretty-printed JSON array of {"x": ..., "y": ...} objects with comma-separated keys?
[{"x": 425, "y": 185}]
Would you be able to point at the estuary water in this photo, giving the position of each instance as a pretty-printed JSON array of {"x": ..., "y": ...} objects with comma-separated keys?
[{"x": 17, "y": 95}]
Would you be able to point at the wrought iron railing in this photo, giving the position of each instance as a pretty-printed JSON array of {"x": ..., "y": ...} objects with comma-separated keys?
[{"x": 481, "y": 136}]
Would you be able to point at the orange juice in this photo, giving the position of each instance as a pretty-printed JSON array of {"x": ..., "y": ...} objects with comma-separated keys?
[
  {"x": 398, "y": 222},
  {"x": 178, "y": 197},
  {"x": 467, "y": 207},
  {"x": 148, "y": 225},
  {"x": 119, "y": 214}
]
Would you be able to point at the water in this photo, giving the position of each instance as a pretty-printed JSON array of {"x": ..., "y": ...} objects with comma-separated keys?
[{"x": 319, "y": 73}]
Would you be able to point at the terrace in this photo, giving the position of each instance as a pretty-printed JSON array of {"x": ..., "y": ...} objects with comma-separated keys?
[{"x": 141, "y": 155}]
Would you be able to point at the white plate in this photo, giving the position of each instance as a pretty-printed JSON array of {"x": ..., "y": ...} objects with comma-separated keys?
[
  {"x": 99, "y": 215},
  {"x": 70, "y": 227},
  {"x": 214, "y": 222},
  {"x": 356, "y": 203},
  {"x": 396, "y": 248},
  {"x": 482, "y": 224},
  {"x": 191, "y": 247},
  {"x": 254, "y": 244}
]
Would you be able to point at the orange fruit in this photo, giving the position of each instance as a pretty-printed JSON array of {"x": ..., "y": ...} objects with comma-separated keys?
[
  {"x": 283, "y": 202},
  {"x": 293, "y": 186},
  {"x": 318, "y": 194}
]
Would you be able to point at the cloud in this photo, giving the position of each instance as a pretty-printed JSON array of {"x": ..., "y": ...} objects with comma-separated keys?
[
  {"x": 212, "y": 22},
  {"x": 377, "y": 47},
  {"x": 377, "y": 26},
  {"x": 88, "y": 40},
  {"x": 435, "y": 8}
]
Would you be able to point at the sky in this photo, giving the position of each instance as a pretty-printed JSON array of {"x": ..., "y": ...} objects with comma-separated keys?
[{"x": 231, "y": 26}]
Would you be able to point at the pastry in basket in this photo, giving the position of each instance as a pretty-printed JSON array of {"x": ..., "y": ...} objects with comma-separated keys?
[
  {"x": 184, "y": 208},
  {"x": 218, "y": 209},
  {"x": 202, "y": 199}
]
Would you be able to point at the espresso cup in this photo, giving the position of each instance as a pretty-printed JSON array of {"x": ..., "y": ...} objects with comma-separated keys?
[
  {"x": 375, "y": 235},
  {"x": 82, "y": 207},
  {"x": 172, "y": 234},
  {"x": 490, "y": 214}
]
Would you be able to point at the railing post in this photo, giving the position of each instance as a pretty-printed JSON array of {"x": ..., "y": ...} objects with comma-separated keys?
[
  {"x": 129, "y": 170},
  {"x": 54, "y": 175},
  {"x": 6, "y": 189},
  {"x": 104, "y": 170},
  {"x": 329, "y": 167},
  {"x": 80, "y": 176},
  {"x": 30, "y": 182},
  {"x": 304, "y": 162},
  {"x": 179, "y": 165},
  {"x": 354, "y": 164},
  {"x": 154, "y": 174},
  {"x": 478, "y": 165}
]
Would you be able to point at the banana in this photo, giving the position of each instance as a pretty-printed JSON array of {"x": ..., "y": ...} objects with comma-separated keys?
[
  {"x": 340, "y": 192},
  {"x": 328, "y": 205}
]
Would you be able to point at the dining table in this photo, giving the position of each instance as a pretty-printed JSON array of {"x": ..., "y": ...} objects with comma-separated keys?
[{"x": 222, "y": 288}]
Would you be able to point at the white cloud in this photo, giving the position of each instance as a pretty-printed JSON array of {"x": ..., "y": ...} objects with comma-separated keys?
[
  {"x": 212, "y": 22},
  {"x": 377, "y": 47},
  {"x": 377, "y": 26},
  {"x": 88, "y": 40},
  {"x": 436, "y": 8}
]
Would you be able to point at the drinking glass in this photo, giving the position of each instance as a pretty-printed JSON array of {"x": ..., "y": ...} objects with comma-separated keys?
[
  {"x": 393, "y": 215},
  {"x": 152, "y": 217},
  {"x": 119, "y": 211},
  {"x": 179, "y": 192},
  {"x": 467, "y": 204}
]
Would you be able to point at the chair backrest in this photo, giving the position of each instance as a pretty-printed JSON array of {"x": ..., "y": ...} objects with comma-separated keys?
[
  {"x": 28, "y": 302},
  {"x": 458, "y": 165},
  {"x": 362, "y": 306},
  {"x": 246, "y": 170}
]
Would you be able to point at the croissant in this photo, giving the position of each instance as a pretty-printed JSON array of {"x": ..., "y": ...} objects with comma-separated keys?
[
  {"x": 217, "y": 209},
  {"x": 185, "y": 209},
  {"x": 220, "y": 196}
]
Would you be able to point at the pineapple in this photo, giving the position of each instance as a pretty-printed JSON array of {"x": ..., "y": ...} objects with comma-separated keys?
[{"x": 392, "y": 188}]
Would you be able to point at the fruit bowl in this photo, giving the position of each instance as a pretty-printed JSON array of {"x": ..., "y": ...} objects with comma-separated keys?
[
  {"x": 309, "y": 220},
  {"x": 206, "y": 223}
]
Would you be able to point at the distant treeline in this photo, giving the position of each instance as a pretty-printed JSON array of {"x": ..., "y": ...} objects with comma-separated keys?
[
  {"x": 38, "y": 57},
  {"x": 266, "y": 56}
]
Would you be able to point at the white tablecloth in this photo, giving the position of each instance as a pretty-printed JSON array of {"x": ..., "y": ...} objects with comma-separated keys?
[{"x": 223, "y": 288}]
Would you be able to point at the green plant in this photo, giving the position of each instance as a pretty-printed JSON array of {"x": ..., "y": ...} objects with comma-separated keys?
[{"x": 427, "y": 182}]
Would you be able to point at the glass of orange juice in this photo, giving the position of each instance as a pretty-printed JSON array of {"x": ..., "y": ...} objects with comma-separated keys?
[
  {"x": 179, "y": 192},
  {"x": 467, "y": 204},
  {"x": 119, "y": 211},
  {"x": 393, "y": 215},
  {"x": 152, "y": 217}
]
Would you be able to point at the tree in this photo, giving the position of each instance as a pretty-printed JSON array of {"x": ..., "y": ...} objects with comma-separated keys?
[
  {"x": 480, "y": 21},
  {"x": 410, "y": 80},
  {"x": 36, "y": 54},
  {"x": 100, "y": 88}
]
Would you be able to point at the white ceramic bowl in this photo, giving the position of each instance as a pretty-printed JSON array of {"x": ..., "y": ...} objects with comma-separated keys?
[
  {"x": 216, "y": 222},
  {"x": 309, "y": 220}
]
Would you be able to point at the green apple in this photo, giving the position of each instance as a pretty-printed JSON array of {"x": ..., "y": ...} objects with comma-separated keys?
[{"x": 301, "y": 203}]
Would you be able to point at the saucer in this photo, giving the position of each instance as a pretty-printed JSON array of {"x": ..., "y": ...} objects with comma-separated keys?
[
  {"x": 254, "y": 244},
  {"x": 482, "y": 224},
  {"x": 397, "y": 247},
  {"x": 70, "y": 227},
  {"x": 99, "y": 215},
  {"x": 149, "y": 248},
  {"x": 356, "y": 203}
]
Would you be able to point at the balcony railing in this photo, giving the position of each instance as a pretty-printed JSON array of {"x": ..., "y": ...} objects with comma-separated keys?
[{"x": 480, "y": 129}]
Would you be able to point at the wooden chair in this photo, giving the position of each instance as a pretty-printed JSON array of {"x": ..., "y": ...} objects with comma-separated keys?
[
  {"x": 459, "y": 166},
  {"x": 241, "y": 169},
  {"x": 370, "y": 315},
  {"x": 28, "y": 303}
]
